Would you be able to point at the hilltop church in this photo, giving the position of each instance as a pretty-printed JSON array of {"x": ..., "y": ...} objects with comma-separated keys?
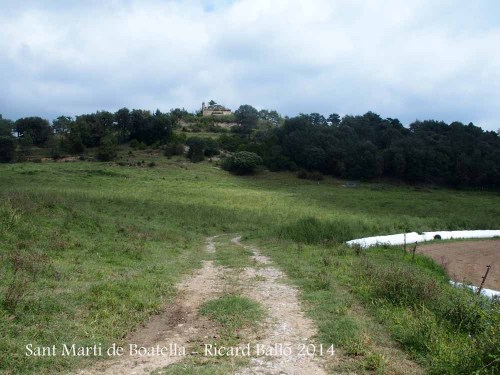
[{"x": 214, "y": 109}]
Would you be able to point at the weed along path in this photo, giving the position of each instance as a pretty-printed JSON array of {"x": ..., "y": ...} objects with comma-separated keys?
[{"x": 238, "y": 302}]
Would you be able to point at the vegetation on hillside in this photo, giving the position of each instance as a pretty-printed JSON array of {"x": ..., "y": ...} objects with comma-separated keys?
[{"x": 363, "y": 147}]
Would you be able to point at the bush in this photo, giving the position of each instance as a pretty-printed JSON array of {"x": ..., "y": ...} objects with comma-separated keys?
[
  {"x": 275, "y": 161},
  {"x": 196, "y": 151},
  {"x": 7, "y": 148},
  {"x": 199, "y": 148},
  {"x": 136, "y": 145},
  {"x": 172, "y": 149},
  {"x": 211, "y": 148},
  {"x": 242, "y": 162},
  {"x": 74, "y": 144},
  {"x": 107, "y": 150},
  {"x": 232, "y": 142},
  {"x": 55, "y": 147}
]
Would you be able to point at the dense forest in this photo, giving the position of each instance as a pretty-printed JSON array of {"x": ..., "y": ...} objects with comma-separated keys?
[{"x": 364, "y": 147}]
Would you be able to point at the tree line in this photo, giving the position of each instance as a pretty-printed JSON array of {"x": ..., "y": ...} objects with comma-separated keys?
[
  {"x": 363, "y": 147},
  {"x": 367, "y": 147},
  {"x": 102, "y": 130}
]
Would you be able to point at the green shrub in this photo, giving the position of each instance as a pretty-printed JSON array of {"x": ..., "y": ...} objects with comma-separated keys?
[
  {"x": 107, "y": 150},
  {"x": 211, "y": 148},
  {"x": 172, "y": 149},
  {"x": 232, "y": 142},
  {"x": 242, "y": 162},
  {"x": 197, "y": 147},
  {"x": 55, "y": 147},
  {"x": 7, "y": 148},
  {"x": 136, "y": 145}
]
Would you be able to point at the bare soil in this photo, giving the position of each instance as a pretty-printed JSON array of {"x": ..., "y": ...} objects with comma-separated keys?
[
  {"x": 467, "y": 260},
  {"x": 285, "y": 324}
]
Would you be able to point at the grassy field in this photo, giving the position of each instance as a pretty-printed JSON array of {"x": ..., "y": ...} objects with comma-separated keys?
[{"x": 90, "y": 250}]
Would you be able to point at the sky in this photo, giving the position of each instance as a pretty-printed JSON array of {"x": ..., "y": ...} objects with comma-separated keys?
[{"x": 418, "y": 59}]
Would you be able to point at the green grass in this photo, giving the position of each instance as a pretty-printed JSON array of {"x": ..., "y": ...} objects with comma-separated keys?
[
  {"x": 99, "y": 247},
  {"x": 447, "y": 330},
  {"x": 233, "y": 313},
  {"x": 201, "y": 134},
  {"x": 232, "y": 255}
]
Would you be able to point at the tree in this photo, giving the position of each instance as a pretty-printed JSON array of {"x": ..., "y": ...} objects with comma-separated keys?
[
  {"x": 62, "y": 124},
  {"x": 107, "y": 149},
  {"x": 178, "y": 113},
  {"x": 317, "y": 119},
  {"x": 149, "y": 128},
  {"x": 88, "y": 130},
  {"x": 123, "y": 124},
  {"x": 36, "y": 127},
  {"x": 334, "y": 119},
  {"x": 364, "y": 161},
  {"x": 247, "y": 116},
  {"x": 271, "y": 117},
  {"x": 6, "y": 127}
]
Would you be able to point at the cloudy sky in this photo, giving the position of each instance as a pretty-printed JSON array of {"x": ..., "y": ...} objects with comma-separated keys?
[{"x": 406, "y": 59}]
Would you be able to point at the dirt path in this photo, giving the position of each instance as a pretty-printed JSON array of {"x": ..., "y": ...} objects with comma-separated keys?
[
  {"x": 182, "y": 324},
  {"x": 285, "y": 324},
  {"x": 178, "y": 324},
  {"x": 467, "y": 260}
]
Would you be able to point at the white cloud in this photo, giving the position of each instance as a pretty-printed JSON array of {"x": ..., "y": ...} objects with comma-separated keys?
[{"x": 422, "y": 59}]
